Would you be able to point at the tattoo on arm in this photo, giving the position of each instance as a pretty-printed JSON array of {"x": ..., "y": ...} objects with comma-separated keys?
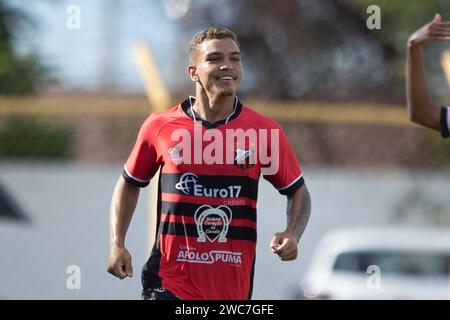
[{"x": 298, "y": 211}]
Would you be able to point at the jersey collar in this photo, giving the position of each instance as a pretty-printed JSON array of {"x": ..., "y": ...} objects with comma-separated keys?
[{"x": 187, "y": 104}]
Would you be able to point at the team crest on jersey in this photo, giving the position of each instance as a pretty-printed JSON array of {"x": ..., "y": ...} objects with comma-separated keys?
[
  {"x": 175, "y": 153},
  {"x": 244, "y": 159},
  {"x": 212, "y": 223}
]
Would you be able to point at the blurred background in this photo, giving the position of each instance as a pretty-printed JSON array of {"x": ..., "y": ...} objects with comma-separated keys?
[{"x": 78, "y": 78}]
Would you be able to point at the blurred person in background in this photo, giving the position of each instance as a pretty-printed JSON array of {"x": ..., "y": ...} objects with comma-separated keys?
[
  {"x": 421, "y": 109},
  {"x": 205, "y": 246}
]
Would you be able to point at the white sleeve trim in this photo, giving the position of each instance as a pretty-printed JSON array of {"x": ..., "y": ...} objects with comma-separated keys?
[
  {"x": 281, "y": 189},
  {"x": 133, "y": 177}
]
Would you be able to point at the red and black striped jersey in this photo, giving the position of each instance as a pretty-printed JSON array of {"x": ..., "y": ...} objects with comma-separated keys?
[{"x": 206, "y": 235}]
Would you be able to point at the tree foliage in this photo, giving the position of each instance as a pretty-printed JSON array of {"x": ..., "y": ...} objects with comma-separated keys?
[
  {"x": 18, "y": 74},
  {"x": 319, "y": 50}
]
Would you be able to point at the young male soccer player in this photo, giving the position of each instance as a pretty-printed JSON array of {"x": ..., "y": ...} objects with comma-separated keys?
[{"x": 211, "y": 150}]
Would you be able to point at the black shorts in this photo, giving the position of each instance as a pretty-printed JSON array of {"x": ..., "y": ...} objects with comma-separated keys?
[{"x": 158, "y": 294}]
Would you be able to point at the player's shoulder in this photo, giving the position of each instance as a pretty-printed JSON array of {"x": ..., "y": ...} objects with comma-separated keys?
[
  {"x": 258, "y": 119},
  {"x": 157, "y": 120}
]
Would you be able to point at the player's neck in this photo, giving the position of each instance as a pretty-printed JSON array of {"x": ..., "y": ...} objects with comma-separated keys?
[{"x": 213, "y": 110}]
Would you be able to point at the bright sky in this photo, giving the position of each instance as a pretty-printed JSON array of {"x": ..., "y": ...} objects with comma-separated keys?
[{"x": 79, "y": 57}]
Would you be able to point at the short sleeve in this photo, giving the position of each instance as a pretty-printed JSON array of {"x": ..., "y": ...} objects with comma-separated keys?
[
  {"x": 287, "y": 176},
  {"x": 144, "y": 161},
  {"x": 445, "y": 122}
]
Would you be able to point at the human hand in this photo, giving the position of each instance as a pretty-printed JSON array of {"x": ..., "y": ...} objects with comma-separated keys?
[
  {"x": 432, "y": 31},
  {"x": 119, "y": 262},
  {"x": 285, "y": 245}
]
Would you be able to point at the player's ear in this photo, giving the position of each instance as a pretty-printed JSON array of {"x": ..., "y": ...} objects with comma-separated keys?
[{"x": 192, "y": 71}]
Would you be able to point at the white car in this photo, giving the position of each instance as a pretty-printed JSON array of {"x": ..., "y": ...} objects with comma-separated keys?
[{"x": 380, "y": 263}]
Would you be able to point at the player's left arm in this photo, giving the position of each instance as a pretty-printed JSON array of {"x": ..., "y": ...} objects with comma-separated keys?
[{"x": 298, "y": 211}]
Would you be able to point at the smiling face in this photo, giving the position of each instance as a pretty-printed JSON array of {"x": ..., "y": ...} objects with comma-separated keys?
[{"x": 216, "y": 66}]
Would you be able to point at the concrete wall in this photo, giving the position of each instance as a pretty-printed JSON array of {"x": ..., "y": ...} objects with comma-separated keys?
[{"x": 67, "y": 209}]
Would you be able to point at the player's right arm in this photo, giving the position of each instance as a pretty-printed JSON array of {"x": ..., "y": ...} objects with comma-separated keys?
[
  {"x": 143, "y": 162},
  {"x": 420, "y": 108},
  {"x": 123, "y": 204}
]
